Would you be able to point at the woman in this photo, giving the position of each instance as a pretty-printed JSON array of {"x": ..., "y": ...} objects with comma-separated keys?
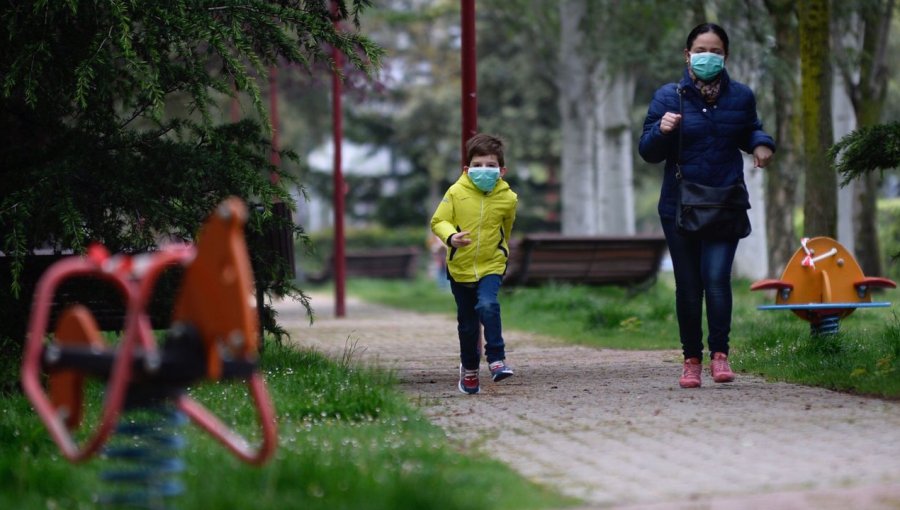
[{"x": 717, "y": 119}]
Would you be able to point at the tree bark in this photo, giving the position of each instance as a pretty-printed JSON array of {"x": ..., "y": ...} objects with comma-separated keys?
[
  {"x": 577, "y": 123},
  {"x": 782, "y": 177},
  {"x": 820, "y": 201},
  {"x": 868, "y": 96},
  {"x": 614, "y": 203},
  {"x": 597, "y": 158}
]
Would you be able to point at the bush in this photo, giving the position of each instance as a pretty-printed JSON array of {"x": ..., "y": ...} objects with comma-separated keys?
[{"x": 889, "y": 236}]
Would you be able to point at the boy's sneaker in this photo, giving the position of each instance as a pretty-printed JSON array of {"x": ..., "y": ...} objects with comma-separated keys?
[
  {"x": 468, "y": 380},
  {"x": 719, "y": 368},
  {"x": 500, "y": 371},
  {"x": 690, "y": 375}
]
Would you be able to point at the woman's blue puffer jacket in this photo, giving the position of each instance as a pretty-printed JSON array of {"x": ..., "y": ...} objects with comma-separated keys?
[{"x": 714, "y": 135}]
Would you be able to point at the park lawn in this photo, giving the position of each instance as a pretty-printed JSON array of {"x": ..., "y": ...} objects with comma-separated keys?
[
  {"x": 863, "y": 358},
  {"x": 348, "y": 440}
]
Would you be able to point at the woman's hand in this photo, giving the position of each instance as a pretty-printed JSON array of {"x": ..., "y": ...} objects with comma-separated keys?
[
  {"x": 761, "y": 156},
  {"x": 669, "y": 122}
]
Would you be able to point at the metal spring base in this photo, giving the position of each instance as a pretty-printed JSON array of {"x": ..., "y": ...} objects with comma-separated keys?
[
  {"x": 145, "y": 454},
  {"x": 829, "y": 325}
]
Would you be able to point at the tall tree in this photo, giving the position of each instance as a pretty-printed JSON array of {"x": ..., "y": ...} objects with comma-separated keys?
[
  {"x": 782, "y": 177},
  {"x": 820, "y": 200},
  {"x": 864, "y": 67},
  {"x": 601, "y": 46}
]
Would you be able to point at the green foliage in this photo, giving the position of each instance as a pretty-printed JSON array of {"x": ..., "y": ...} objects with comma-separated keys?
[
  {"x": 348, "y": 440},
  {"x": 373, "y": 237},
  {"x": 597, "y": 316},
  {"x": 111, "y": 127},
  {"x": 889, "y": 236},
  {"x": 866, "y": 150},
  {"x": 366, "y": 202}
]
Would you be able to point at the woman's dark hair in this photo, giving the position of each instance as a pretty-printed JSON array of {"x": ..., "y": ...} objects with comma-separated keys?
[{"x": 703, "y": 28}]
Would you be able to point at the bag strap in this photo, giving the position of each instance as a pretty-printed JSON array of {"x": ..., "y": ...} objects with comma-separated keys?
[{"x": 680, "y": 90}]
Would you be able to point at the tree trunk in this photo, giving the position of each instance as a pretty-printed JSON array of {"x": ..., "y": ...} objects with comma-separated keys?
[
  {"x": 868, "y": 101},
  {"x": 820, "y": 201},
  {"x": 614, "y": 195},
  {"x": 783, "y": 175},
  {"x": 844, "y": 121},
  {"x": 597, "y": 158},
  {"x": 578, "y": 123}
]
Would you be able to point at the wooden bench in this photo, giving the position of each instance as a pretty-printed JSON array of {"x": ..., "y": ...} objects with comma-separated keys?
[
  {"x": 631, "y": 261},
  {"x": 398, "y": 263}
]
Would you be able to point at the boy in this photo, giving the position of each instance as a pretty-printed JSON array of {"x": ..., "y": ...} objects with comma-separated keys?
[{"x": 474, "y": 220}]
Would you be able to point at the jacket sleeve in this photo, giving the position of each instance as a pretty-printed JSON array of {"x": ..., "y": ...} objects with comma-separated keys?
[
  {"x": 442, "y": 220},
  {"x": 755, "y": 134},
  {"x": 655, "y": 146}
]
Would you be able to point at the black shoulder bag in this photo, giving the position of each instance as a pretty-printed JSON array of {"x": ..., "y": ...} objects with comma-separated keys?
[{"x": 708, "y": 212}]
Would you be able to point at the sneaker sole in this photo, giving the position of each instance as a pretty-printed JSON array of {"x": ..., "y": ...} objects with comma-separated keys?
[
  {"x": 689, "y": 385},
  {"x": 464, "y": 391},
  {"x": 500, "y": 377},
  {"x": 723, "y": 379}
]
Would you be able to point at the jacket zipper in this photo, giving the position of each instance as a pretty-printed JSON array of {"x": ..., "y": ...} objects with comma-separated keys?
[{"x": 478, "y": 241}]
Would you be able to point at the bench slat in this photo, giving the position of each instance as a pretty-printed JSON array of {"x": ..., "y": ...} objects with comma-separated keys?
[{"x": 594, "y": 260}]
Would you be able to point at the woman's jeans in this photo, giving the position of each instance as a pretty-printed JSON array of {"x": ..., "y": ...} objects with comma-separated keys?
[
  {"x": 701, "y": 267},
  {"x": 476, "y": 303}
]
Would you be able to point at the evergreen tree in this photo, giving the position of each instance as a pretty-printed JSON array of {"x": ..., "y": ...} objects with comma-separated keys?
[{"x": 112, "y": 129}]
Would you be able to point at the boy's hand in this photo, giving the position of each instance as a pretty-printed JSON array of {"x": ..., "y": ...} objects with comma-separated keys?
[{"x": 459, "y": 239}]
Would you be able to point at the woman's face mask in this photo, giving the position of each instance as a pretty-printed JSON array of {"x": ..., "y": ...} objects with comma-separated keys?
[
  {"x": 707, "y": 66},
  {"x": 484, "y": 177}
]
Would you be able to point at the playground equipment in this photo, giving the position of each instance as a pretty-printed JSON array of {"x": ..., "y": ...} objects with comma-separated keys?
[
  {"x": 213, "y": 335},
  {"x": 822, "y": 284}
]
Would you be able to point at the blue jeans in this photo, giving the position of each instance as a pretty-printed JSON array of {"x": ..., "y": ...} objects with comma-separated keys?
[
  {"x": 476, "y": 303},
  {"x": 701, "y": 267}
]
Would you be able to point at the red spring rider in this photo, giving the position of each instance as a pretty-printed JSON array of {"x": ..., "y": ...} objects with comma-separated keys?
[{"x": 213, "y": 335}]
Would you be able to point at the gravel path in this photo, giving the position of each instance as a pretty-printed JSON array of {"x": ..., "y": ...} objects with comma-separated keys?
[{"x": 614, "y": 429}]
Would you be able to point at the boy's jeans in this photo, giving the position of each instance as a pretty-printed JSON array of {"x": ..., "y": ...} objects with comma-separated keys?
[
  {"x": 477, "y": 303},
  {"x": 701, "y": 268}
]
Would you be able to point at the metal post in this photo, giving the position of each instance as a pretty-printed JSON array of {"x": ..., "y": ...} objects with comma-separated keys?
[
  {"x": 235, "y": 110},
  {"x": 469, "y": 85},
  {"x": 274, "y": 157},
  {"x": 337, "y": 126}
]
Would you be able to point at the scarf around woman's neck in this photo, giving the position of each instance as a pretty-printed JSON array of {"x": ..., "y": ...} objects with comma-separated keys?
[{"x": 708, "y": 90}]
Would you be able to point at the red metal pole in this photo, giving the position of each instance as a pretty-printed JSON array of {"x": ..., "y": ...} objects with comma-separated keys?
[
  {"x": 339, "y": 187},
  {"x": 274, "y": 157},
  {"x": 469, "y": 85},
  {"x": 235, "y": 110}
]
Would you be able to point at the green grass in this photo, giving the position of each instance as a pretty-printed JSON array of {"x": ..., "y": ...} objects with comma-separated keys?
[
  {"x": 348, "y": 440},
  {"x": 863, "y": 358},
  {"x": 597, "y": 316}
]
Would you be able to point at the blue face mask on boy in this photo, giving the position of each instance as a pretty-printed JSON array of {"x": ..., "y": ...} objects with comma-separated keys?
[{"x": 484, "y": 177}]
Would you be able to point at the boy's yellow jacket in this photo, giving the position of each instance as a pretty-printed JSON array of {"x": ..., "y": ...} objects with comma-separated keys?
[{"x": 488, "y": 217}]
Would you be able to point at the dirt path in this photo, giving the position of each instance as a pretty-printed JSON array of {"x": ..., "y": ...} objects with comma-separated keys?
[{"x": 613, "y": 429}]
